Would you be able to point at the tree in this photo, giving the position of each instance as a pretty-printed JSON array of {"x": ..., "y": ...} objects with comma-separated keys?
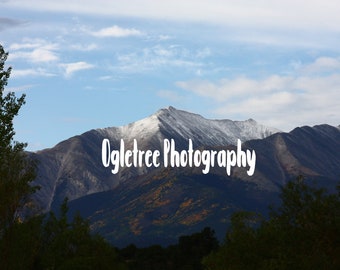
[
  {"x": 192, "y": 248},
  {"x": 70, "y": 245},
  {"x": 186, "y": 254},
  {"x": 303, "y": 233},
  {"x": 38, "y": 242},
  {"x": 16, "y": 170},
  {"x": 52, "y": 241}
]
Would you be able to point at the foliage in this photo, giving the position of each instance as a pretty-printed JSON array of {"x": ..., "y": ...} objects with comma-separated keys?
[
  {"x": 20, "y": 245},
  {"x": 187, "y": 254},
  {"x": 71, "y": 246},
  {"x": 51, "y": 242},
  {"x": 16, "y": 171},
  {"x": 303, "y": 233}
]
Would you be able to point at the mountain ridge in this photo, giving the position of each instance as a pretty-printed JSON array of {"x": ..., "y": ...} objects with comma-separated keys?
[
  {"x": 187, "y": 125},
  {"x": 168, "y": 202},
  {"x": 73, "y": 167},
  {"x": 158, "y": 207}
]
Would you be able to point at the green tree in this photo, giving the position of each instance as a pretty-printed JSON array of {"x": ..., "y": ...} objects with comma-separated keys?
[
  {"x": 239, "y": 248},
  {"x": 192, "y": 248},
  {"x": 16, "y": 170},
  {"x": 21, "y": 244},
  {"x": 186, "y": 255},
  {"x": 53, "y": 242},
  {"x": 303, "y": 233},
  {"x": 39, "y": 242},
  {"x": 70, "y": 245}
]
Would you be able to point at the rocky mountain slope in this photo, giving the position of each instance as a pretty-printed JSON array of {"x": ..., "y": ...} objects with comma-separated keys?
[
  {"x": 149, "y": 205},
  {"x": 160, "y": 206},
  {"x": 74, "y": 168}
]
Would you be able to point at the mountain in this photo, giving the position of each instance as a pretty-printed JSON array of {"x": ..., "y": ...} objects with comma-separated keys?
[
  {"x": 173, "y": 123},
  {"x": 156, "y": 205},
  {"x": 73, "y": 168}
]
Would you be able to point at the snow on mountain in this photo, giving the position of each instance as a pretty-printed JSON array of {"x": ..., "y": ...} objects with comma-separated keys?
[{"x": 173, "y": 123}]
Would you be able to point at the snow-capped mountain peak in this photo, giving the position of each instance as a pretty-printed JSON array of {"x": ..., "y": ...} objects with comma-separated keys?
[{"x": 173, "y": 123}]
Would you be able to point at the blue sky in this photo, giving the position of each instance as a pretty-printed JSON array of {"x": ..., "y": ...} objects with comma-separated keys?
[{"x": 94, "y": 64}]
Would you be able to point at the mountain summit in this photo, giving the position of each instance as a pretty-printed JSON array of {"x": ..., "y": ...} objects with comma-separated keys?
[
  {"x": 172, "y": 123},
  {"x": 73, "y": 167}
]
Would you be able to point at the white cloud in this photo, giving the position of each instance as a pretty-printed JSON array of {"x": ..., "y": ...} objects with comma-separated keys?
[
  {"x": 26, "y": 45},
  {"x": 16, "y": 73},
  {"x": 35, "y": 56},
  {"x": 164, "y": 37},
  {"x": 23, "y": 73},
  {"x": 84, "y": 48},
  {"x": 71, "y": 68},
  {"x": 105, "y": 77},
  {"x": 265, "y": 14},
  {"x": 272, "y": 22},
  {"x": 116, "y": 32},
  {"x": 36, "y": 50},
  {"x": 239, "y": 87},
  {"x": 158, "y": 57},
  {"x": 43, "y": 55},
  {"x": 322, "y": 64},
  {"x": 281, "y": 101}
]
